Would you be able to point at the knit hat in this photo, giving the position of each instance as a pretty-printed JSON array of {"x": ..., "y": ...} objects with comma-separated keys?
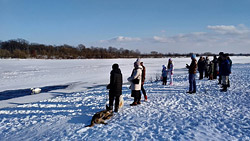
[
  {"x": 137, "y": 62},
  {"x": 193, "y": 56}
]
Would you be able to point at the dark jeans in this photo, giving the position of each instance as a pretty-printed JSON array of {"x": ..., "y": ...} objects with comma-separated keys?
[
  {"x": 220, "y": 79},
  {"x": 137, "y": 95},
  {"x": 206, "y": 73},
  {"x": 201, "y": 74},
  {"x": 164, "y": 81},
  {"x": 215, "y": 74},
  {"x": 111, "y": 101},
  {"x": 192, "y": 83},
  {"x": 143, "y": 90}
]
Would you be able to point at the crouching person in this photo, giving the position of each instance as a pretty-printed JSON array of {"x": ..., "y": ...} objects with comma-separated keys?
[
  {"x": 115, "y": 87},
  {"x": 135, "y": 80}
]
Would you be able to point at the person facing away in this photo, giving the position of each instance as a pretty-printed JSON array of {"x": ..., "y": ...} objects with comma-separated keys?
[
  {"x": 115, "y": 87},
  {"x": 164, "y": 75},
  {"x": 219, "y": 64},
  {"x": 230, "y": 62},
  {"x": 143, "y": 80},
  {"x": 207, "y": 62},
  {"x": 211, "y": 70},
  {"x": 201, "y": 66},
  {"x": 192, "y": 73},
  {"x": 225, "y": 71},
  {"x": 170, "y": 71},
  {"x": 215, "y": 69},
  {"x": 135, "y": 80}
]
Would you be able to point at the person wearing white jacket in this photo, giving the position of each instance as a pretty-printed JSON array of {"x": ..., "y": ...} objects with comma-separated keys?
[{"x": 135, "y": 80}]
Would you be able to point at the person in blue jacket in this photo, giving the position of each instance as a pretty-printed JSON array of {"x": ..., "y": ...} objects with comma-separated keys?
[
  {"x": 164, "y": 75},
  {"x": 225, "y": 71}
]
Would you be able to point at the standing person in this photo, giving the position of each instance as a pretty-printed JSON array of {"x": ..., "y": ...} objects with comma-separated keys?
[
  {"x": 201, "y": 66},
  {"x": 135, "y": 80},
  {"x": 224, "y": 72},
  {"x": 192, "y": 73},
  {"x": 215, "y": 70},
  {"x": 143, "y": 80},
  {"x": 207, "y": 62},
  {"x": 219, "y": 64},
  {"x": 230, "y": 62},
  {"x": 164, "y": 75},
  {"x": 170, "y": 70},
  {"x": 211, "y": 70},
  {"x": 115, "y": 87}
]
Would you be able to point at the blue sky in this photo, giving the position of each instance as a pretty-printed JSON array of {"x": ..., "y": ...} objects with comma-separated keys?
[{"x": 180, "y": 26}]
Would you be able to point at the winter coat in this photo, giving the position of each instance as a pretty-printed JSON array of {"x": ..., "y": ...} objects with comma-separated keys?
[
  {"x": 215, "y": 61},
  {"x": 170, "y": 69},
  {"x": 211, "y": 68},
  {"x": 192, "y": 67},
  {"x": 201, "y": 65},
  {"x": 219, "y": 60},
  {"x": 207, "y": 63},
  {"x": 143, "y": 74},
  {"x": 136, "y": 74},
  {"x": 230, "y": 62},
  {"x": 164, "y": 72},
  {"x": 115, "y": 85},
  {"x": 225, "y": 68}
]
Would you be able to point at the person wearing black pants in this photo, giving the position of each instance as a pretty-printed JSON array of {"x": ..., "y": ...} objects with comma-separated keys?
[
  {"x": 135, "y": 81},
  {"x": 201, "y": 67},
  {"x": 219, "y": 63},
  {"x": 115, "y": 87}
]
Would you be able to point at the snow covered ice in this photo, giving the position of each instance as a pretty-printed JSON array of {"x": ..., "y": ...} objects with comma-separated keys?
[{"x": 169, "y": 114}]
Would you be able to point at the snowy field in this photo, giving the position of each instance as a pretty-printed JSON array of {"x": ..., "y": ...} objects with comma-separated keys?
[{"x": 74, "y": 90}]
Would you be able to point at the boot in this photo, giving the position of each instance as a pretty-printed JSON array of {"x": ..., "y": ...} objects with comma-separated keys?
[
  {"x": 224, "y": 88},
  {"x": 133, "y": 104},
  {"x": 145, "y": 98}
]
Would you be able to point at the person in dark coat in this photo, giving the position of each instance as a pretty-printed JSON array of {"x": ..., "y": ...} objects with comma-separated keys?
[
  {"x": 201, "y": 66},
  {"x": 115, "y": 87},
  {"x": 192, "y": 73},
  {"x": 215, "y": 69},
  {"x": 219, "y": 63},
  {"x": 207, "y": 62},
  {"x": 143, "y": 80},
  {"x": 225, "y": 71},
  {"x": 230, "y": 62}
]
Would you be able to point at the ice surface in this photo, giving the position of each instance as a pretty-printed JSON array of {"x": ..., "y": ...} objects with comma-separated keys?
[{"x": 169, "y": 114}]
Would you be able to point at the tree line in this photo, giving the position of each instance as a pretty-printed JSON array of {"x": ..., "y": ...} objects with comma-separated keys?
[{"x": 20, "y": 48}]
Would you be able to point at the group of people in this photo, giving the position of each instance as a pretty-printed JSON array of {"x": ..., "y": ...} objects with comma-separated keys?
[
  {"x": 209, "y": 67},
  {"x": 136, "y": 79},
  {"x": 168, "y": 72},
  {"x": 217, "y": 67}
]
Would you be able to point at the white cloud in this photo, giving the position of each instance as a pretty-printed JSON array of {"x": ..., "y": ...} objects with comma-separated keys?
[
  {"x": 162, "y": 39},
  {"x": 222, "y": 38},
  {"x": 229, "y": 29},
  {"x": 121, "y": 39}
]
